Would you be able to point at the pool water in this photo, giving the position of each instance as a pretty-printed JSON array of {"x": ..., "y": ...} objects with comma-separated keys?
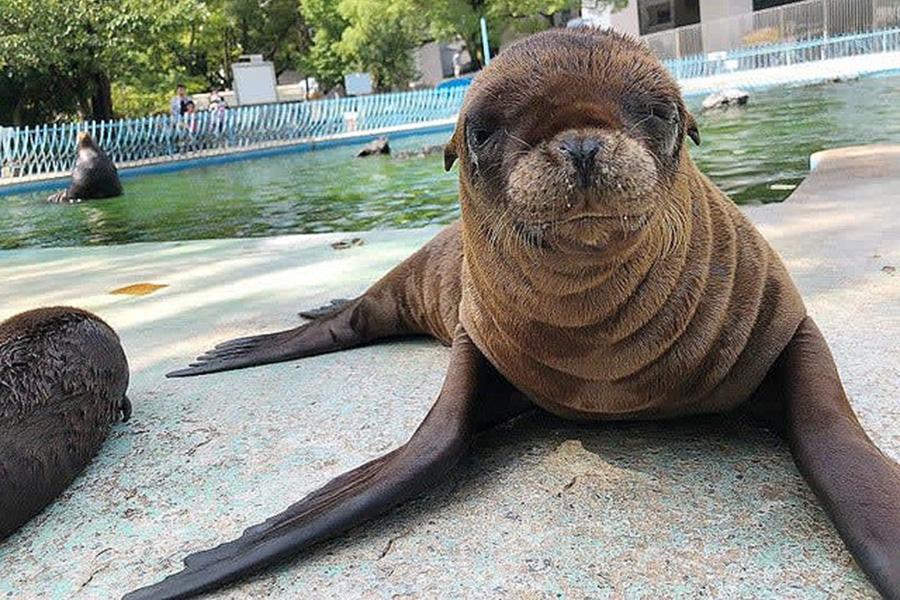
[{"x": 746, "y": 151}]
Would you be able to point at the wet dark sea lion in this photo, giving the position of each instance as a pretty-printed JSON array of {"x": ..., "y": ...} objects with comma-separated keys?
[
  {"x": 63, "y": 377},
  {"x": 597, "y": 273},
  {"x": 94, "y": 175}
]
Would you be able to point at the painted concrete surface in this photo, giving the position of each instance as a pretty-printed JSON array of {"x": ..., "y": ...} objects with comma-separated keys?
[
  {"x": 847, "y": 67},
  {"x": 541, "y": 508}
]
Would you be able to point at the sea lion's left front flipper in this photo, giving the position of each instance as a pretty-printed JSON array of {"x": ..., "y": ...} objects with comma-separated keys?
[
  {"x": 472, "y": 398},
  {"x": 859, "y": 486}
]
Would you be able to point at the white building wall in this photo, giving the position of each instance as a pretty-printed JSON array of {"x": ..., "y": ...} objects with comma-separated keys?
[
  {"x": 719, "y": 9},
  {"x": 626, "y": 19}
]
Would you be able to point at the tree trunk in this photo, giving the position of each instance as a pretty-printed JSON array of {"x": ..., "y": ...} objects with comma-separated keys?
[
  {"x": 101, "y": 100},
  {"x": 18, "y": 114},
  {"x": 473, "y": 45}
]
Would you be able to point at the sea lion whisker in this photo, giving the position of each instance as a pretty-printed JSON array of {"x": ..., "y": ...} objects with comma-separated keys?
[{"x": 517, "y": 139}]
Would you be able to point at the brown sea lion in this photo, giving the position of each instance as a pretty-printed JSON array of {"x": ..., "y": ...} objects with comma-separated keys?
[
  {"x": 94, "y": 175},
  {"x": 63, "y": 377},
  {"x": 595, "y": 272}
]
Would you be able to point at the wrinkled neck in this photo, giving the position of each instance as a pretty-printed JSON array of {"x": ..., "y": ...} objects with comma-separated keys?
[{"x": 504, "y": 275}]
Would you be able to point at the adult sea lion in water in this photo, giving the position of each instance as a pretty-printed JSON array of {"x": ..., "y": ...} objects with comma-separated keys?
[
  {"x": 94, "y": 175},
  {"x": 595, "y": 272},
  {"x": 63, "y": 377}
]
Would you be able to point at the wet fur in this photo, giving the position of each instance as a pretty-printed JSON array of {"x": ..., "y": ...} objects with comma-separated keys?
[
  {"x": 94, "y": 175},
  {"x": 63, "y": 377}
]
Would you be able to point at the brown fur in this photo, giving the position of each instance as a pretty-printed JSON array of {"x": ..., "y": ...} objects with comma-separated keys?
[
  {"x": 681, "y": 308},
  {"x": 63, "y": 377}
]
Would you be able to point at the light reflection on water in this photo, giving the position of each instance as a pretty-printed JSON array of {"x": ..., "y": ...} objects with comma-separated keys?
[{"x": 745, "y": 151}]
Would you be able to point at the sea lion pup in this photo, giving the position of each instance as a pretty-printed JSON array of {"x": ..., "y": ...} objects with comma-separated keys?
[
  {"x": 63, "y": 377},
  {"x": 94, "y": 175},
  {"x": 598, "y": 272}
]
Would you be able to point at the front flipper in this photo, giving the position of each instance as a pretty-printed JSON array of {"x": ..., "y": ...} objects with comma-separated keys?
[
  {"x": 349, "y": 324},
  {"x": 858, "y": 485},
  {"x": 467, "y": 402}
]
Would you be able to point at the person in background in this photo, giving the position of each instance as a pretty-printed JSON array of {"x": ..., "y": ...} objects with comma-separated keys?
[
  {"x": 216, "y": 101},
  {"x": 457, "y": 63},
  {"x": 217, "y": 108},
  {"x": 177, "y": 106},
  {"x": 190, "y": 119}
]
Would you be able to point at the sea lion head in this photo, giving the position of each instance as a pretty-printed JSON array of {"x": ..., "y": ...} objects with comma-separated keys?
[
  {"x": 572, "y": 139},
  {"x": 84, "y": 139}
]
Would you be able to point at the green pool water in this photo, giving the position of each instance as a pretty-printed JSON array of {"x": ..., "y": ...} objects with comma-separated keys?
[{"x": 745, "y": 151}]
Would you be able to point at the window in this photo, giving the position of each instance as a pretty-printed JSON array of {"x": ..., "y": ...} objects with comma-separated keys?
[
  {"x": 655, "y": 15},
  {"x": 764, "y": 4}
]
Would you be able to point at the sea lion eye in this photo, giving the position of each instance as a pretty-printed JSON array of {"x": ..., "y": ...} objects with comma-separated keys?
[
  {"x": 663, "y": 112},
  {"x": 478, "y": 134}
]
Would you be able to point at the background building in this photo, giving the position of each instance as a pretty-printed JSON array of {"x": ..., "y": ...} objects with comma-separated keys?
[
  {"x": 642, "y": 17},
  {"x": 678, "y": 28}
]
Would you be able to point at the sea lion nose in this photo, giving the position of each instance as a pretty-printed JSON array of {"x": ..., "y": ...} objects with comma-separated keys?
[{"x": 581, "y": 151}]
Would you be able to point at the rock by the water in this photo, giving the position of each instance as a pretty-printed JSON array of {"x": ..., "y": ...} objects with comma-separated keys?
[
  {"x": 347, "y": 243},
  {"x": 378, "y": 146},
  {"x": 726, "y": 98},
  {"x": 420, "y": 153}
]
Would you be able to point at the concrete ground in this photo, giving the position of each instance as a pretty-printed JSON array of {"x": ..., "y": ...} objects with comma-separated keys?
[{"x": 540, "y": 509}]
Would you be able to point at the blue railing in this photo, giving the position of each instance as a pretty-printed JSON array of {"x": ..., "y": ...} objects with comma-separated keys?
[{"x": 48, "y": 149}]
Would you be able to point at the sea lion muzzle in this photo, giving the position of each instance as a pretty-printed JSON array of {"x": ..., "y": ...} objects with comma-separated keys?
[{"x": 581, "y": 151}]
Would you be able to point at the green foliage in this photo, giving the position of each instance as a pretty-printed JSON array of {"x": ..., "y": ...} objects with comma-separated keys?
[
  {"x": 273, "y": 28},
  {"x": 380, "y": 39},
  {"x": 324, "y": 60},
  {"x": 60, "y": 56},
  {"x": 102, "y": 58},
  {"x": 449, "y": 19}
]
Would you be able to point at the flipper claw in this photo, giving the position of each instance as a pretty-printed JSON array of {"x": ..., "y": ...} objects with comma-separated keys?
[{"x": 334, "y": 306}]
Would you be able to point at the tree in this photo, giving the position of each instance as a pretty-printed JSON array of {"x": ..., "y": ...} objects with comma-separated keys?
[
  {"x": 98, "y": 58},
  {"x": 60, "y": 56},
  {"x": 449, "y": 19},
  {"x": 380, "y": 38},
  {"x": 324, "y": 60},
  {"x": 274, "y": 28}
]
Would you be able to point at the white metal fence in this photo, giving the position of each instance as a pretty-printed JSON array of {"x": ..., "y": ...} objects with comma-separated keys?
[
  {"x": 798, "y": 22},
  {"x": 785, "y": 55},
  {"x": 27, "y": 151}
]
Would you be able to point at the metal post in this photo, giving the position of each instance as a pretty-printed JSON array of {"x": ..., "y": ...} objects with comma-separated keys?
[{"x": 485, "y": 45}]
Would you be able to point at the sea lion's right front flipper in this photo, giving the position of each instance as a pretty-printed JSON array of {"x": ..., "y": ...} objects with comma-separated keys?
[
  {"x": 858, "y": 485},
  {"x": 471, "y": 399},
  {"x": 349, "y": 324}
]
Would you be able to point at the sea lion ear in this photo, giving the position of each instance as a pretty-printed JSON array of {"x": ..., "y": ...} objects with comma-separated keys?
[
  {"x": 450, "y": 152},
  {"x": 450, "y": 155},
  {"x": 690, "y": 127}
]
